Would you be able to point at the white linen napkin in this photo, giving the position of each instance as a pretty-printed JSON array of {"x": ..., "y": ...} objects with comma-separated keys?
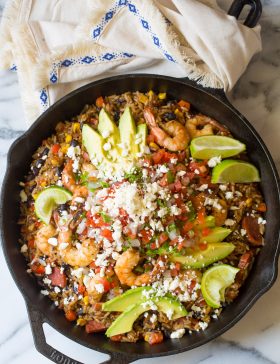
[{"x": 59, "y": 45}]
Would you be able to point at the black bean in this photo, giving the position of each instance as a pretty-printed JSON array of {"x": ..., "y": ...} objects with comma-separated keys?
[
  {"x": 116, "y": 116},
  {"x": 30, "y": 176},
  {"x": 80, "y": 311},
  {"x": 35, "y": 171},
  {"x": 58, "y": 171},
  {"x": 66, "y": 268},
  {"x": 45, "y": 152},
  {"x": 39, "y": 163},
  {"x": 74, "y": 143},
  {"x": 62, "y": 207},
  {"x": 167, "y": 333},
  {"x": 169, "y": 116}
]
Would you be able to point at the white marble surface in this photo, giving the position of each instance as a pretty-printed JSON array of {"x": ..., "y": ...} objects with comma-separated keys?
[{"x": 255, "y": 339}]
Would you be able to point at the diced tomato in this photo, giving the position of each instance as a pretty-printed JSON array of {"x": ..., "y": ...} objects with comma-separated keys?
[
  {"x": 153, "y": 246},
  {"x": 150, "y": 139},
  {"x": 130, "y": 234},
  {"x": 188, "y": 226},
  {"x": 163, "y": 182},
  {"x": 200, "y": 167},
  {"x": 262, "y": 207},
  {"x": 145, "y": 236},
  {"x": 95, "y": 221},
  {"x": 250, "y": 224},
  {"x": 38, "y": 269},
  {"x": 92, "y": 265},
  {"x": 93, "y": 121},
  {"x": 123, "y": 216},
  {"x": 81, "y": 288},
  {"x": 203, "y": 246},
  {"x": 205, "y": 231},
  {"x": 184, "y": 104},
  {"x": 201, "y": 216},
  {"x": 55, "y": 148},
  {"x": 116, "y": 338},
  {"x": 174, "y": 272},
  {"x": 99, "y": 102},
  {"x": 107, "y": 234},
  {"x": 178, "y": 186},
  {"x": 155, "y": 337},
  {"x": 157, "y": 156},
  {"x": 97, "y": 306},
  {"x": 31, "y": 243},
  {"x": 70, "y": 315},
  {"x": 244, "y": 260},
  {"x": 94, "y": 326},
  {"x": 58, "y": 278},
  {"x": 192, "y": 285},
  {"x": 162, "y": 238},
  {"x": 181, "y": 156}
]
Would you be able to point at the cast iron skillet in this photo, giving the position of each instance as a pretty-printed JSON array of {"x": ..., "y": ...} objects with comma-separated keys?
[{"x": 210, "y": 102}]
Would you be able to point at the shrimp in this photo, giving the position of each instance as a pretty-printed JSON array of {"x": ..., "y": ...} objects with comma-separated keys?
[
  {"x": 69, "y": 182},
  {"x": 124, "y": 266},
  {"x": 91, "y": 286},
  {"x": 81, "y": 255},
  {"x": 201, "y": 125},
  {"x": 172, "y": 136},
  {"x": 42, "y": 236}
]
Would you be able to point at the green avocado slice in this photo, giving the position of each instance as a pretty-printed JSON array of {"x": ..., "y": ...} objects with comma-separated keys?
[
  {"x": 217, "y": 235},
  {"x": 130, "y": 297},
  {"x": 125, "y": 321},
  {"x": 142, "y": 132},
  {"x": 203, "y": 258},
  {"x": 94, "y": 143},
  {"x": 127, "y": 129},
  {"x": 107, "y": 126}
]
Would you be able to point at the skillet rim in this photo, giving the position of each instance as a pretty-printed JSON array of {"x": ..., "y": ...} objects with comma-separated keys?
[{"x": 212, "y": 93}]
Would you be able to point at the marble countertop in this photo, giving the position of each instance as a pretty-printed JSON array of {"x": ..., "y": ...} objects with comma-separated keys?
[{"x": 255, "y": 339}]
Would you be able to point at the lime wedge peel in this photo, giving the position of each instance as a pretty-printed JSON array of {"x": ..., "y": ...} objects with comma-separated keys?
[
  {"x": 235, "y": 171},
  {"x": 209, "y": 146},
  {"x": 215, "y": 281},
  {"x": 48, "y": 199}
]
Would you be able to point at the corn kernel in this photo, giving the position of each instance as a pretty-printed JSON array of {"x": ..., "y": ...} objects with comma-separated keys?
[
  {"x": 54, "y": 162},
  {"x": 153, "y": 146},
  {"x": 151, "y": 93},
  {"x": 177, "y": 111},
  {"x": 86, "y": 300},
  {"x": 76, "y": 127},
  {"x": 162, "y": 95},
  {"x": 35, "y": 195},
  {"x": 64, "y": 148},
  {"x": 68, "y": 138},
  {"x": 143, "y": 98},
  {"x": 43, "y": 183},
  {"x": 81, "y": 322},
  {"x": 249, "y": 202}
]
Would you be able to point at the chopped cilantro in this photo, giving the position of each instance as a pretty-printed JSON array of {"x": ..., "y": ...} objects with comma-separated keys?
[
  {"x": 191, "y": 211},
  {"x": 135, "y": 175},
  {"x": 84, "y": 178},
  {"x": 170, "y": 177},
  {"x": 105, "y": 217},
  {"x": 171, "y": 227},
  {"x": 104, "y": 184}
]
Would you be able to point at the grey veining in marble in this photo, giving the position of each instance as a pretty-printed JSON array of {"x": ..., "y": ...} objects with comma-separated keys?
[{"x": 255, "y": 339}]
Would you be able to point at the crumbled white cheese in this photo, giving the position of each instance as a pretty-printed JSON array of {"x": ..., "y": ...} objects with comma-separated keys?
[
  {"x": 23, "y": 196},
  {"x": 107, "y": 146},
  {"x": 81, "y": 227},
  {"x": 105, "y": 134},
  {"x": 63, "y": 246},
  {"x": 181, "y": 173},
  {"x": 48, "y": 269},
  {"x": 229, "y": 195},
  {"x": 243, "y": 232},
  {"x": 77, "y": 272},
  {"x": 177, "y": 334},
  {"x": 202, "y": 187},
  {"x": 79, "y": 199},
  {"x": 47, "y": 281},
  {"x": 52, "y": 241},
  {"x": 223, "y": 187},
  {"x": 229, "y": 222},
  {"x": 24, "y": 248},
  {"x": 99, "y": 287},
  {"x": 261, "y": 221},
  {"x": 214, "y": 161},
  {"x": 203, "y": 325},
  {"x": 45, "y": 292},
  {"x": 153, "y": 318}
]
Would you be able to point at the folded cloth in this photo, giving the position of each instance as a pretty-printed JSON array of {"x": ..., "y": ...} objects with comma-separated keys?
[{"x": 58, "y": 45}]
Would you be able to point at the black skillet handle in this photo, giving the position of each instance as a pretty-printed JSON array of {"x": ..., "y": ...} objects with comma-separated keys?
[
  {"x": 36, "y": 321},
  {"x": 254, "y": 13}
]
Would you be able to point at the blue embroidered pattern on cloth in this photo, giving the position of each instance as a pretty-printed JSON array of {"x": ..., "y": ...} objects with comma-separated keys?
[
  {"x": 85, "y": 60},
  {"x": 97, "y": 31},
  {"x": 43, "y": 94}
]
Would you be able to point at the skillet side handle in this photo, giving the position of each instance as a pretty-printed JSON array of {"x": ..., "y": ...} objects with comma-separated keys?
[
  {"x": 254, "y": 14},
  {"x": 36, "y": 321}
]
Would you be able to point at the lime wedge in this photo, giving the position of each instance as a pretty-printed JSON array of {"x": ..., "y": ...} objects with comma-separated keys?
[
  {"x": 48, "y": 199},
  {"x": 214, "y": 283},
  {"x": 233, "y": 171},
  {"x": 206, "y": 147}
]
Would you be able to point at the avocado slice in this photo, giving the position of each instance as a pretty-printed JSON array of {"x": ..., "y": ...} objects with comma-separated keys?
[
  {"x": 127, "y": 129},
  {"x": 107, "y": 125},
  {"x": 202, "y": 258},
  {"x": 217, "y": 235},
  {"x": 142, "y": 132},
  {"x": 125, "y": 321},
  {"x": 94, "y": 143},
  {"x": 130, "y": 297}
]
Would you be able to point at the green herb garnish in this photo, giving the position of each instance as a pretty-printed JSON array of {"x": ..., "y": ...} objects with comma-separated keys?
[
  {"x": 106, "y": 218},
  {"x": 170, "y": 177}
]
